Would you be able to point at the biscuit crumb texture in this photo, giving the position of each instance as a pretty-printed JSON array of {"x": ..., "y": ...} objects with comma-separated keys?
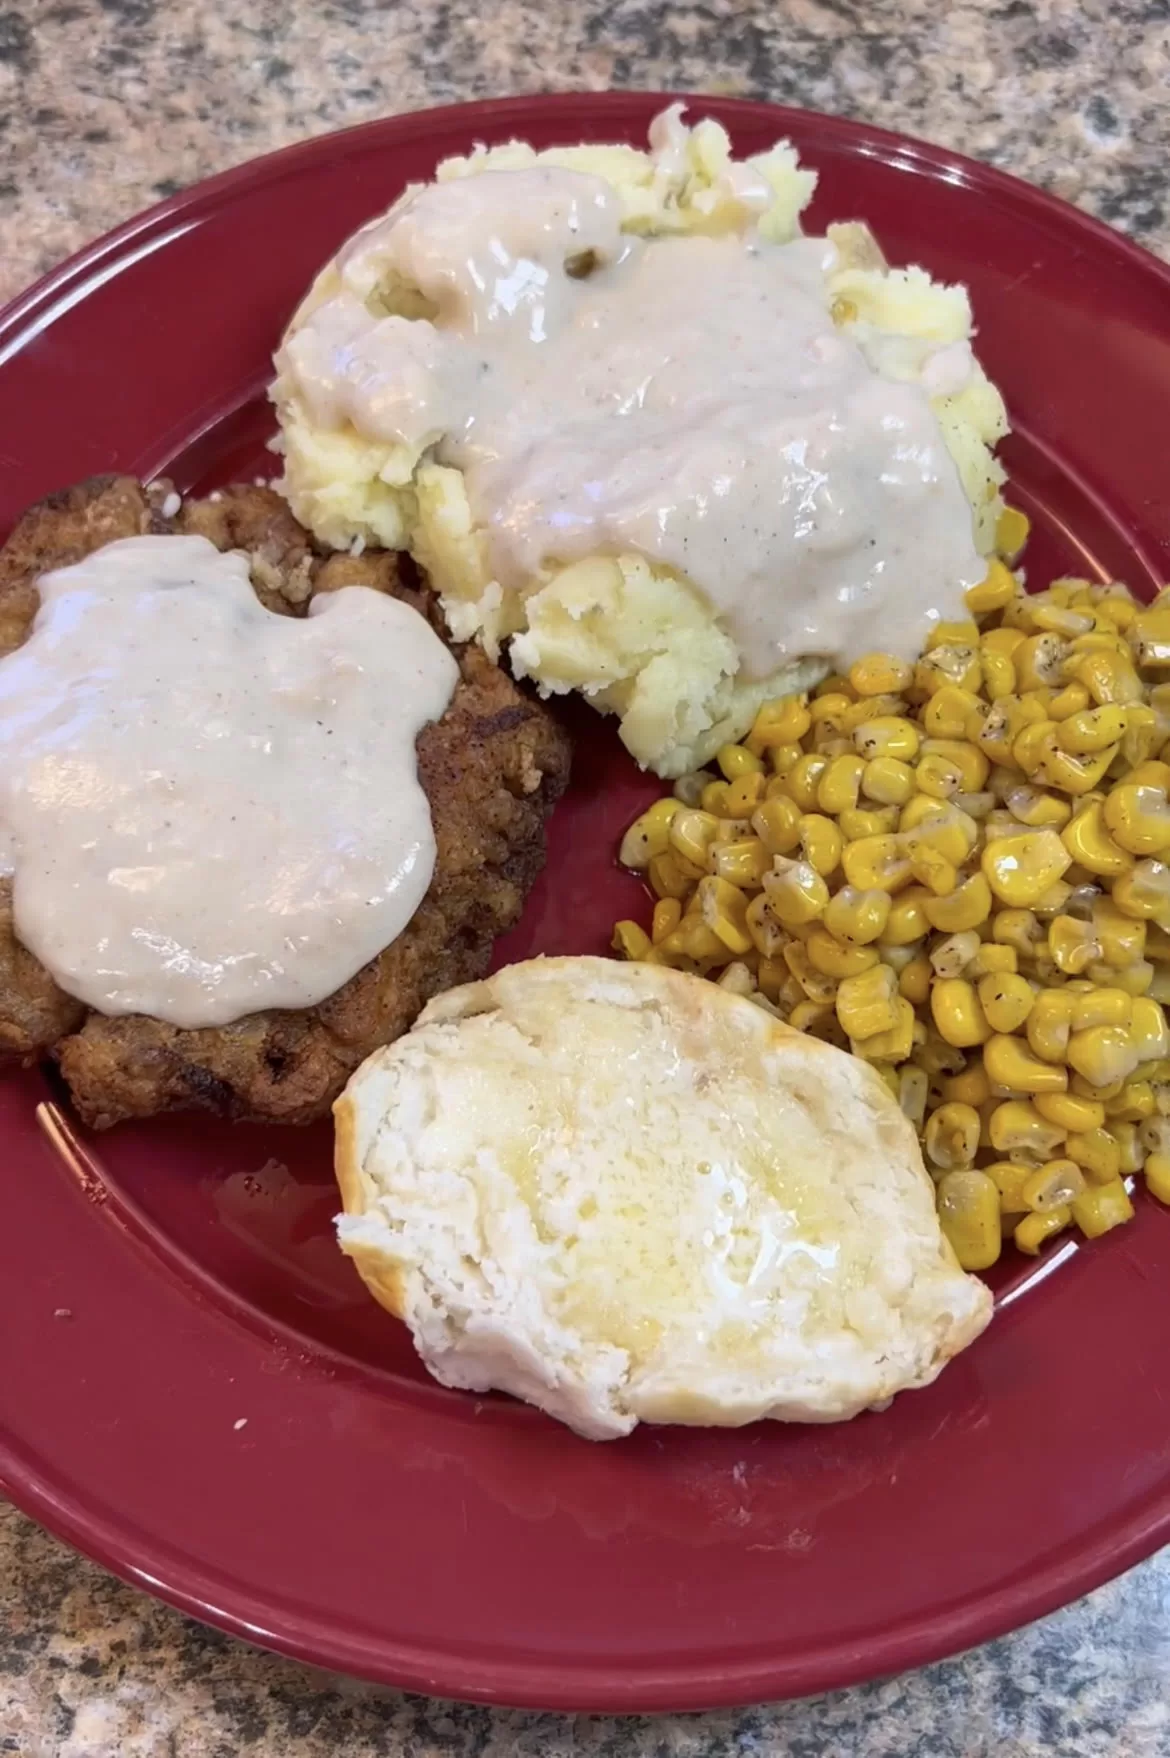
[{"x": 625, "y": 1195}]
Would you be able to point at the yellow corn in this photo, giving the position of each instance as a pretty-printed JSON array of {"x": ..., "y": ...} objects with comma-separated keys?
[
  {"x": 1009, "y": 1180},
  {"x": 890, "y": 735},
  {"x": 1069, "y": 1112},
  {"x": 957, "y": 1014},
  {"x": 1091, "y": 729},
  {"x": 907, "y": 920},
  {"x": 1013, "y": 1066},
  {"x": 837, "y": 785},
  {"x": 1123, "y": 940},
  {"x": 992, "y": 958},
  {"x": 947, "y": 712},
  {"x": 820, "y": 843},
  {"x": 879, "y": 674},
  {"x": 1148, "y": 1031},
  {"x": 666, "y": 876},
  {"x": 888, "y": 780},
  {"x": 795, "y": 891},
  {"x": 999, "y": 677},
  {"x": 804, "y": 778},
  {"x": 736, "y": 760},
  {"x": 834, "y": 958},
  {"x": 1145, "y": 891},
  {"x": 914, "y": 979},
  {"x": 1101, "y": 1007},
  {"x": 1102, "y": 1054},
  {"x": 1157, "y": 1176},
  {"x": 1138, "y": 816},
  {"x": 648, "y": 835},
  {"x": 743, "y": 862},
  {"x": 1090, "y": 844},
  {"x": 1037, "y": 1229},
  {"x": 1011, "y": 534},
  {"x": 1016, "y": 1127},
  {"x": 691, "y": 834},
  {"x": 630, "y": 940},
  {"x": 968, "y": 1212},
  {"x": 1052, "y": 1186},
  {"x": 997, "y": 590},
  {"x": 951, "y": 1138},
  {"x": 867, "y": 1003},
  {"x": 1019, "y": 869},
  {"x": 895, "y": 1043},
  {"x": 1101, "y": 1208},
  {"x": 1097, "y": 1151},
  {"x": 1006, "y": 1001},
  {"x": 856, "y": 822},
  {"x": 857, "y": 916},
  {"x": 784, "y": 721},
  {"x": 744, "y": 794},
  {"x": 967, "y": 906},
  {"x": 777, "y": 824},
  {"x": 1072, "y": 945},
  {"x": 877, "y": 863},
  {"x": 1129, "y": 1146}
]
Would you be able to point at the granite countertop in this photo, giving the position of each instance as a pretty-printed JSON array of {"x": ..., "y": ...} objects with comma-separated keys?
[{"x": 106, "y": 105}]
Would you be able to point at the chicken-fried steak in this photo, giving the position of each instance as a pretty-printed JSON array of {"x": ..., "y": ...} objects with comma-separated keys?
[{"x": 492, "y": 768}]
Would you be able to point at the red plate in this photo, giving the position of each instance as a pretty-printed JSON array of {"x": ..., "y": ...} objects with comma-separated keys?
[{"x": 194, "y": 1388}]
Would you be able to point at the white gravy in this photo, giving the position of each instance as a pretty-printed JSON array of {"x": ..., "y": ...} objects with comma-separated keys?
[
  {"x": 208, "y": 808},
  {"x": 690, "y": 399}
]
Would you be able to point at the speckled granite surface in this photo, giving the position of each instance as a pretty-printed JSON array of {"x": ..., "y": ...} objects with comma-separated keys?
[{"x": 105, "y": 105}]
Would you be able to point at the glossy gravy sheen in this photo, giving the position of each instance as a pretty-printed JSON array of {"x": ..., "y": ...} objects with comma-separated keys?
[
  {"x": 208, "y": 808},
  {"x": 685, "y": 398}
]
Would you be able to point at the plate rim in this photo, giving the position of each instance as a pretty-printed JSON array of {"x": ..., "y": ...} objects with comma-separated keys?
[{"x": 912, "y": 1642}]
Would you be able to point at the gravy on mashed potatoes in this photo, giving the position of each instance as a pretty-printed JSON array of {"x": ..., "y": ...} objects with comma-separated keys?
[{"x": 681, "y": 407}]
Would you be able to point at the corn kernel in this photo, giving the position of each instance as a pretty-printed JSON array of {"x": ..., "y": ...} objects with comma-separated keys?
[
  {"x": 1013, "y": 1066},
  {"x": 1144, "y": 892},
  {"x": 1072, "y": 945},
  {"x": 998, "y": 588},
  {"x": 1148, "y": 1030},
  {"x": 968, "y": 1212},
  {"x": 866, "y": 1004},
  {"x": 815, "y": 984},
  {"x": 1073, "y": 699},
  {"x": 777, "y": 824},
  {"x": 877, "y": 863},
  {"x": 1123, "y": 940},
  {"x": 1036, "y": 1230},
  {"x": 1102, "y": 1054},
  {"x": 999, "y": 678},
  {"x": 1090, "y": 844},
  {"x": 951, "y": 1137},
  {"x": 630, "y": 940},
  {"x": 893, "y": 1044},
  {"x": 971, "y": 1087},
  {"x": 890, "y": 735},
  {"x": 946, "y": 714},
  {"x": 857, "y": 916},
  {"x": 768, "y": 935},
  {"x": 888, "y": 780},
  {"x": 742, "y": 862},
  {"x": 1139, "y": 818},
  {"x": 1129, "y": 1147},
  {"x": 1011, "y": 534},
  {"x": 836, "y": 959},
  {"x": 838, "y": 784},
  {"x": 691, "y": 835},
  {"x": 854, "y": 822},
  {"x": 795, "y": 891},
  {"x": 1009, "y": 1179},
  {"x": 744, "y": 794},
  {"x": 1069, "y": 1112},
  {"x": 967, "y": 906},
  {"x": 914, "y": 979},
  {"x": 992, "y": 958},
  {"x": 1157, "y": 1176},
  {"x": 913, "y": 1087},
  {"x": 1102, "y": 1007},
  {"x": 648, "y": 835},
  {"x": 820, "y": 843},
  {"x": 1020, "y": 869},
  {"x": 879, "y": 674},
  {"x": 737, "y": 760},
  {"x": 951, "y": 956},
  {"x": 1016, "y": 1127},
  {"x": 803, "y": 779},
  {"x": 666, "y": 876},
  {"x": 1097, "y": 1151},
  {"x": 783, "y": 721},
  {"x": 907, "y": 919},
  {"x": 1101, "y": 1208},
  {"x": 957, "y": 1014},
  {"x": 1052, "y": 1186},
  {"x": 1006, "y": 1001}
]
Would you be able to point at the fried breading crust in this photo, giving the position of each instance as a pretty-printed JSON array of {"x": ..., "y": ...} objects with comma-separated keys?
[{"x": 492, "y": 768}]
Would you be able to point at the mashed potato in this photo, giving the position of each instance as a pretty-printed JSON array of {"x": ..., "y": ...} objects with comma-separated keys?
[{"x": 640, "y": 640}]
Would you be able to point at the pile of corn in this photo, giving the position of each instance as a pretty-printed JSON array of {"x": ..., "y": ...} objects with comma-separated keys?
[{"x": 960, "y": 870}]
